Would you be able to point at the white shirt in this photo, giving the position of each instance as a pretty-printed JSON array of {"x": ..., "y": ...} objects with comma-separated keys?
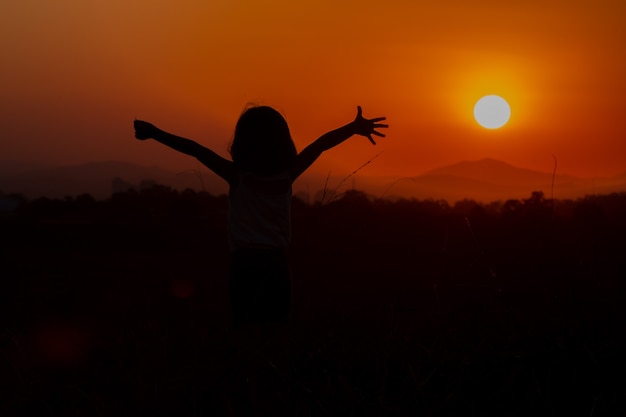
[{"x": 259, "y": 211}]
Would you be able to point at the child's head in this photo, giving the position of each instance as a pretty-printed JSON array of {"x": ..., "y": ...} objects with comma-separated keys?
[{"x": 262, "y": 142}]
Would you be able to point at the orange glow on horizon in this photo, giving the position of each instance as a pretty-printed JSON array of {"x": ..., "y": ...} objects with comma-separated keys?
[{"x": 78, "y": 74}]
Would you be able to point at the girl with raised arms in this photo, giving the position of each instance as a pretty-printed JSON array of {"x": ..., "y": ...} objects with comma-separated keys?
[{"x": 264, "y": 165}]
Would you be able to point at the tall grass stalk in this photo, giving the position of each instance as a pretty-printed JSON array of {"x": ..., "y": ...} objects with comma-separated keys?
[
  {"x": 480, "y": 247},
  {"x": 552, "y": 185},
  {"x": 198, "y": 174},
  {"x": 334, "y": 194}
]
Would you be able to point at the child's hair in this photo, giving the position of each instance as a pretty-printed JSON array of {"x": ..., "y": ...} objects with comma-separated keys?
[{"x": 262, "y": 143}]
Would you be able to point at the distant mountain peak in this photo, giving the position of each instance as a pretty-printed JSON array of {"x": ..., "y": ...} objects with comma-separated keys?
[
  {"x": 485, "y": 163},
  {"x": 494, "y": 171}
]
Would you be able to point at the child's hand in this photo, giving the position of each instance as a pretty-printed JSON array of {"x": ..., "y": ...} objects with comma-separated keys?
[
  {"x": 367, "y": 127},
  {"x": 144, "y": 130}
]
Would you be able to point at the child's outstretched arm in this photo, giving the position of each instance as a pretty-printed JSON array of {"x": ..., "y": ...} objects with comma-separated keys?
[
  {"x": 222, "y": 167},
  {"x": 360, "y": 126}
]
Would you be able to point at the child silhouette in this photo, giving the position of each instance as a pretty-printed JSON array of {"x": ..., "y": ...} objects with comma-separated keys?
[{"x": 263, "y": 167}]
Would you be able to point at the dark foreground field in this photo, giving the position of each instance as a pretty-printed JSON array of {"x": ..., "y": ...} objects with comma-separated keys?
[{"x": 407, "y": 308}]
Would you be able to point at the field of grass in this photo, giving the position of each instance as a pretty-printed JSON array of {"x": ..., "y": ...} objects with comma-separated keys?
[{"x": 405, "y": 308}]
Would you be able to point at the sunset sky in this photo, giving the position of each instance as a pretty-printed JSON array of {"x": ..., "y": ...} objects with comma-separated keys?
[{"x": 76, "y": 73}]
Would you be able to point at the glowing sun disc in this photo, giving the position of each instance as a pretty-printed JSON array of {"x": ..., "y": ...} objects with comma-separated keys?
[{"x": 492, "y": 112}]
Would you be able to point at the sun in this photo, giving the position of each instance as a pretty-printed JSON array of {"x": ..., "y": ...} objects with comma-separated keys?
[{"x": 492, "y": 112}]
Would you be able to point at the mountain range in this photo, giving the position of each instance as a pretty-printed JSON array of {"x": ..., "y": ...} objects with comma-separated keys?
[
  {"x": 100, "y": 179},
  {"x": 483, "y": 180},
  {"x": 489, "y": 180}
]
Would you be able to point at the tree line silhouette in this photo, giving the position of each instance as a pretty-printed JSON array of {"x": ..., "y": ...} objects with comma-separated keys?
[{"x": 405, "y": 307}]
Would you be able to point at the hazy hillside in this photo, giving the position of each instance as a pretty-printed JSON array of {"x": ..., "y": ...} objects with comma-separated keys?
[
  {"x": 495, "y": 172},
  {"x": 11, "y": 167},
  {"x": 488, "y": 180},
  {"x": 484, "y": 180},
  {"x": 97, "y": 179}
]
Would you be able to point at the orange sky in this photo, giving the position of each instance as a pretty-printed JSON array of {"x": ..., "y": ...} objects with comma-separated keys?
[{"x": 75, "y": 73}]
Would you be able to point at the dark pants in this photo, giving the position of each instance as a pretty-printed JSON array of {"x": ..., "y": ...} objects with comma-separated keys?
[{"x": 260, "y": 286}]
